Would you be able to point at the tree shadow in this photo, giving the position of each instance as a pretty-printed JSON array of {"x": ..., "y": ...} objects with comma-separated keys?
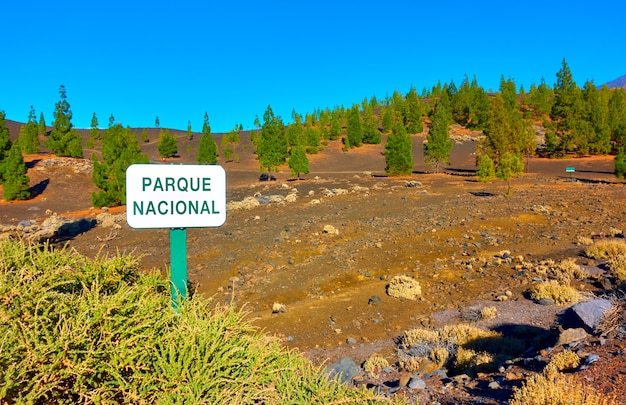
[
  {"x": 517, "y": 344},
  {"x": 32, "y": 163},
  {"x": 482, "y": 194},
  {"x": 70, "y": 230},
  {"x": 39, "y": 188},
  {"x": 460, "y": 172},
  {"x": 588, "y": 181}
]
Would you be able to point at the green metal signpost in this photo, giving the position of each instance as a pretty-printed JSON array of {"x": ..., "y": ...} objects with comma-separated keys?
[
  {"x": 178, "y": 263},
  {"x": 176, "y": 197}
]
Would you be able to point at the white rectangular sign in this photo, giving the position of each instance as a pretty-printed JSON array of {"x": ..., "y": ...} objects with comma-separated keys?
[{"x": 175, "y": 196}]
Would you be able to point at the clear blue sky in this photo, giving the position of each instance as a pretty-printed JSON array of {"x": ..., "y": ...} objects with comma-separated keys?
[{"x": 179, "y": 59}]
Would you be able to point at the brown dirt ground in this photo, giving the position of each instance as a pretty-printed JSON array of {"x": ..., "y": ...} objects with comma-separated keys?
[{"x": 278, "y": 253}]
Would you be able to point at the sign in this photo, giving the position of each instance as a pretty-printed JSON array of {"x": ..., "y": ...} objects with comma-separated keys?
[
  {"x": 175, "y": 196},
  {"x": 570, "y": 170}
]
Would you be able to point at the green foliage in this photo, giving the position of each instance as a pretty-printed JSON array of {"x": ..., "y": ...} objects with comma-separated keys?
[
  {"x": 94, "y": 132},
  {"x": 295, "y": 132},
  {"x": 398, "y": 150},
  {"x": 312, "y": 138},
  {"x": 5, "y": 144},
  {"x": 64, "y": 140},
  {"x": 15, "y": 183},
  {"x": 438, "y": 146},
  {"x": 540, "y": 99},
  {"x": 41, "y": 126},
  {"x": 120, "y": 149},
  {"x": 189, "y": 133},
  {"x": 566, "y": 111},
  {"x": 509, "y": 166},
  {"x": 354, "y": 128},
  {"x": 298, "y": 161},
  {"x": 619, "y": 164},
  {"x": 144, "y": 135},
  {"x": 101, "y": 331},
  {"x": 207, "y": 151},
  {"x": 616, "y": 117},
  {"x": 486, "y": 170},
  {"x": 168, "y": 145},
  {"x": 272, "y": 150},
  {"x": 336, "y": 124},
  {"x": 29, "y": 134},
  {"x": 414, "y": 112},
  {"x": 387, "y": 119}
]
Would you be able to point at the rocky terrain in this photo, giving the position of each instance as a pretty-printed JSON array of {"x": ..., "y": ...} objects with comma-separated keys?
[{"x": 311, "y": 259}]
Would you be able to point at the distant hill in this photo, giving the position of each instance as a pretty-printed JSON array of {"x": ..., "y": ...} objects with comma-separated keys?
[{"x": 619, "y": 82}]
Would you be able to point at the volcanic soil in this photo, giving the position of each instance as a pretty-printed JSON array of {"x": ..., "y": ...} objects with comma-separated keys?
[{"x": 325, "y": 258}]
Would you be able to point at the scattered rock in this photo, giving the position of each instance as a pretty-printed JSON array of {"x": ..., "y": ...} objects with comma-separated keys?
[
  {"x": 331, "y": 230},
  {"x": 590, "y": 312},
  {"x": 572, "y": 335},
  {"x": 374, "y": 300},
  {"x": 345, "y": 368}
]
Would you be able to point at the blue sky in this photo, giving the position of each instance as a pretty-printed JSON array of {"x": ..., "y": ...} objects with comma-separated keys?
[{"x": 177, "y": 60}]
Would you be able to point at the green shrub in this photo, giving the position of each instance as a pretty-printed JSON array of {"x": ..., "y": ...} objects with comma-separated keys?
[{"x": 76, "y": 330}]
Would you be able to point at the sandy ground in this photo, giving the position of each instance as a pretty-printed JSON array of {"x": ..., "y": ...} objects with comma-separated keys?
[{"x": 444, "y": 232}]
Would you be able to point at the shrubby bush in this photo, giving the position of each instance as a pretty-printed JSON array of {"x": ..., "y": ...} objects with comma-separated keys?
[{"x": 76, "y": 330}]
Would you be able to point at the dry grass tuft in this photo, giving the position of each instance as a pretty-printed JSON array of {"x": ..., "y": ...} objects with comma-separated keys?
[
  {"x": 565, "y": 360},
  {"x": 489, "y": 312},
  {"x": 374, "y": 363},
  {"x": 606, "y": 249},
  {"x": 561, "y": 294},
  {"x": 554, "y": 388},
  {"x": 404, "y": 287},
  {"x": 617, "y": 264}
]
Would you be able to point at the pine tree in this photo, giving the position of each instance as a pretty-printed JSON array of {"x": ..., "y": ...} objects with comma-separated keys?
[
  {"x": 438, "y": 143},
  {"x": 120, "y": 149},
  {"x": 157, "y": 122},
  {"x": 16, "y": 182},
  {"x": 29, "y": 134},
  {"x": 295, "y": 131},
  {"x": 486, "y": 170},
  {"x": 272, "y": 150},
  {"x": 94, "y": 132},
  {"x": 619, "y": 164},
  {"x": 167, "y": 146},
  {"x": 336, "y": 127},
  {"x": 42, "y": 125},
  {"x": 312, "y": 138},
  {"x": 387, "y": 114},
  {"x": 355, "y": 129},
  {"x": 5, "y": 144},
  {"x": 595, "y": 132},
  {"x": 64, "y": 140},
  {"x": 189, "y": 133},
  {"x": 616, "y": 117},
  {"x": 510, "y": 166},
  {"x": 398, "y": 149},
  {"x": 207, "y": 151},
  {"x": 540, "y": 99},
  {"x": 298, "y": 161},
  {"x": 144, "y": 135},
  {"x": 566, "y": 110},
  {"x": 414, "y": 112},
  {"x": 479, "y": 106}
]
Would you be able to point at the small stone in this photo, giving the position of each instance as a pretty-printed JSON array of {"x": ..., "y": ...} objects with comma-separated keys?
[
  {"x": 416, "y": 383},
  {"x": 374, "y": 300},
  {"x": 494, "y": 385},
  {"x": 351, "y": 341},
  {"x": 572, "y": 335},
  {"x": 545, "y": 301}
]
